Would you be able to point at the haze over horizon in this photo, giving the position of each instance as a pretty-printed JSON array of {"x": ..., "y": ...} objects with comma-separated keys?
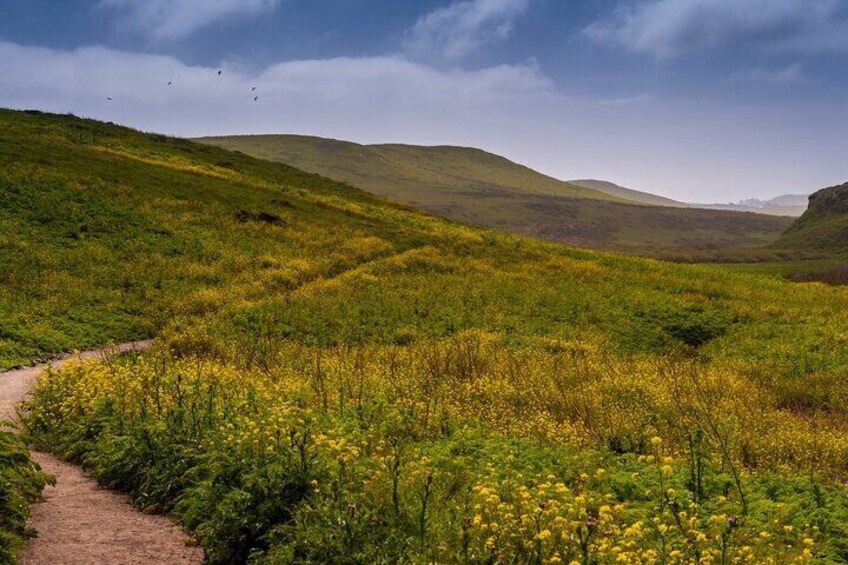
[{"x": 698, "y": 100}]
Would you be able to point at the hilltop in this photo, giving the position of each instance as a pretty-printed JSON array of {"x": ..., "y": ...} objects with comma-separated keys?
[
  {"x": 486, "y": 190},
  {"x": 420, "y": 175},
  {"x": 824, "y": 226}
]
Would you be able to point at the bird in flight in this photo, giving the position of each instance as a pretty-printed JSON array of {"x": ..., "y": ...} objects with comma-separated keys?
[
  {"x": 169, "y": 83},
  {"x": 255, "y": 98},
  {"x": 109, "y": 98},
  {"x": 219, "y": 73},
  {"x": 253, "y": 89}
]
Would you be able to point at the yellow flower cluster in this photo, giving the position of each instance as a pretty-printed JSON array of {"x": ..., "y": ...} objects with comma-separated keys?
[{"x": 314, "y": 403}]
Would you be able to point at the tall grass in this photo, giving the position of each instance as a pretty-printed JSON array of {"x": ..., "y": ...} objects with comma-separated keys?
[{"x": 464, "y": 450}]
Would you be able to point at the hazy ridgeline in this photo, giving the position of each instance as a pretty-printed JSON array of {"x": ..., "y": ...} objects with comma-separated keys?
[{"x": 341, "y": 379}]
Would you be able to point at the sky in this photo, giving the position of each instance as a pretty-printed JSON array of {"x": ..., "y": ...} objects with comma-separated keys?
[{"x": 699, "y": 100}]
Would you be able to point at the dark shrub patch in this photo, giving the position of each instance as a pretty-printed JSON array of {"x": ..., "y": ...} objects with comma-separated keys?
[
  {"x": 264, "y": 217},
  {"x": 693, "y": 326},
  {"x": 834, "y": 276}
]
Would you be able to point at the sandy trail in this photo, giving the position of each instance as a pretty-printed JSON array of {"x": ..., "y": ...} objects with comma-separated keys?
[{"x": 81, "y": 522}]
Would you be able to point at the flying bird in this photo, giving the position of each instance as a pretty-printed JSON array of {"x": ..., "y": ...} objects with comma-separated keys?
[
  {"x": 253, "y": 89},
  {"x": 109, "y": 98},
  {"x": 219, "y": 73},
  {"x": 169, "y": 83},
  {"x": 255, "y": 98}
]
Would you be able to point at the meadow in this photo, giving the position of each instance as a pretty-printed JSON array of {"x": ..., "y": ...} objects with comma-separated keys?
[{"x": 342, "y": 379}]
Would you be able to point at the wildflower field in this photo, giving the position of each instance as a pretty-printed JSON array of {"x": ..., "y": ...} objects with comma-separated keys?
[{"x": 339, "y": 379}]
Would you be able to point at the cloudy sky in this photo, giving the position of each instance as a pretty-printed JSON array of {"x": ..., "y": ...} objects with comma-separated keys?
[{"x": 701, "y": 100}]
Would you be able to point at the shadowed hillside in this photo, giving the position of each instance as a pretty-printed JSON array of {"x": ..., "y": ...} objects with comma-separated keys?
[{"x": 478, "y": 188}]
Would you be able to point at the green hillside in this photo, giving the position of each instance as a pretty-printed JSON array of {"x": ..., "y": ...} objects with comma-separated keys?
[
  {"x": 485, "y": 190},
  {"x": 422, "y": 176},
  {"x": 824, "y": 226},
  {"x": 628, "y": 194},
  {"x": 341, "y": 379},
  {"x": 108, "y": 233}
]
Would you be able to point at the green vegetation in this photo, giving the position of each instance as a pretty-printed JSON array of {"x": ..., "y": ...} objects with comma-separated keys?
[
  {"x": 824, "y": 226},
  {"x": 793, "y": 270},
  {"x": 465, "y": 453},
  {"x": 481, "y": 189},
  {"x": 21, "y": 483},
  {"x": 424, "y": 176},
  {"x": 821, "y": 235},
  {"x": 341, "y": 379}
]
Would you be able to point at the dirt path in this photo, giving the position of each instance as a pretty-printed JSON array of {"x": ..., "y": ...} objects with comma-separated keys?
[{"x": 81, "y": 523}]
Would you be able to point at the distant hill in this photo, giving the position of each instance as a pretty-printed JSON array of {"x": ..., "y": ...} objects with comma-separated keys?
[
  {"x": 482, "y": 189},
  {"x": 824, "y": 226},
  {"x": 790, "y": 200},
  {"x": 629, "y": 194},
  {"x": 419, "y": 175},
  {"x": 785, "y": 205}
]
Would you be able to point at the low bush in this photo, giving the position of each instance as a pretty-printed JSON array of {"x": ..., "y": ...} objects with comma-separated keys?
[{"x": 21, "y": 482}]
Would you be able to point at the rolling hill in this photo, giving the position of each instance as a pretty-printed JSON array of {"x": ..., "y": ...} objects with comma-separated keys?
[
  {"x": 485, "y": 190},
  {"x": 421, "y": 176},
  {"x": 342, "y": 379}
]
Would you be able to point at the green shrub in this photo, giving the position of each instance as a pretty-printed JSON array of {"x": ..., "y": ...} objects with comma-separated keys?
[
  {"x": 21, "y": 482},
  {"x": 694, "y": 326}
]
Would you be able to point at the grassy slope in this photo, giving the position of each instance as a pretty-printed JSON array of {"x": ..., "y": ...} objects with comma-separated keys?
[
  {"x": 824, "y": 226},
  {"x": 629, "y": 194},
  {"x": 478, "y": 188},
  {"x": 415, "y": 174},
  {"x": 350, "y": 326},
  {"x": 107, "y": 233},
  {"x": 103, "y": 229}
]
